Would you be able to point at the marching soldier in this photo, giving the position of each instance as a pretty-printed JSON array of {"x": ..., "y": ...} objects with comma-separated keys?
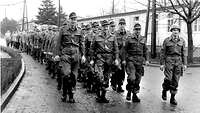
[
  {"x": 119, "y": 72},
  {"x": 135, "y": 56},
  {"x": 104, "y": 47},
  {"x": 56, "y": 59},
  {"x": 90, "y": 78},
  {"x": 68, "y": 43},
  {"x": 173, "y": 60},
  {"x": 82, "y": 70}
]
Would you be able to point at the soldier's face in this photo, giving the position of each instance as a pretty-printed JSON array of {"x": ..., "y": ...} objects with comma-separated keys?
[
  {"x": 105, "y": 27},
  {"x": 95, "y": 29},
  {"x": 175, "y": 32},
  {"x": 112, "y": 28},
  {"x": 73, "y": 21},
  {"x": 137, "y": 31},
  {"x": 122, "y": 26}
]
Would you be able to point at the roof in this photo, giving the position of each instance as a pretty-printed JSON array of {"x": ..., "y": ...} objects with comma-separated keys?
[{"x": 121, "y": 14}]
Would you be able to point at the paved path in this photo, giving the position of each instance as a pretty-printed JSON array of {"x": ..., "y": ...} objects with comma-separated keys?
[{"x": 37, "y": 94}]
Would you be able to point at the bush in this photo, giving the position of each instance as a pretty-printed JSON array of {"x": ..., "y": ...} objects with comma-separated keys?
[{"x": 10, "y": 68}]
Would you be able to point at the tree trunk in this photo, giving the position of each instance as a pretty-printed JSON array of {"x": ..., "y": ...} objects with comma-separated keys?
[{"x": 190, "y": 43}]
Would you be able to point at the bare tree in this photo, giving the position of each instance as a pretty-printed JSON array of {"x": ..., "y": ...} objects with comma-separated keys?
[{"x": 189, "y": 11}]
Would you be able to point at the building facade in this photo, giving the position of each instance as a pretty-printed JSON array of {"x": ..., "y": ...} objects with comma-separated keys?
[{"x": 164, "y": 21}]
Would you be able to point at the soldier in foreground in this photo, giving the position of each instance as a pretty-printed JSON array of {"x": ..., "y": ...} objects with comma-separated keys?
[
  {"x": 104, "y": 47},
  {"x": 173, "y": 62},
  {"x": 134, "y": 57},
  {"x": 67, "y": 47}
]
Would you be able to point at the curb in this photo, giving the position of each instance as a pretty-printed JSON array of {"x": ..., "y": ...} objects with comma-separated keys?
[
  {"x": 11, "y": 90},
  {"x": 157, "y": 65}
]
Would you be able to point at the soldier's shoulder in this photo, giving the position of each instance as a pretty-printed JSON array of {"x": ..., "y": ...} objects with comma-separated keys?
[
  {"x": 167, "y": 39},
  {"x": 182, "y": 39}
]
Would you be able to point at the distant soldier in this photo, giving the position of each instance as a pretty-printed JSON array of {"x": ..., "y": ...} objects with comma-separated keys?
[
  {"x": 135, "y": 56},
  {"x": 68, "y": 43},
  {"x": 173, "y": 61},
  {"x": 82, "y": 70},
  {"x": 90, "y": 78},
  {"x": 119, "y": 72},
  {"x": 104, "y": 50}
]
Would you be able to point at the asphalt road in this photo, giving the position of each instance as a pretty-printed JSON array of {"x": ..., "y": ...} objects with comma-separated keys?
[{"x": 37, "y": 93}]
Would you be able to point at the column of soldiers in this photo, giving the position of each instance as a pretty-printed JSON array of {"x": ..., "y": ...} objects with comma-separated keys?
[{"x": 95, "y": 54}]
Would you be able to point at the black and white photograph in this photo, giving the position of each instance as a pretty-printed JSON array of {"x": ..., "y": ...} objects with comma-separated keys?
[{"x": 100, "y": 56}]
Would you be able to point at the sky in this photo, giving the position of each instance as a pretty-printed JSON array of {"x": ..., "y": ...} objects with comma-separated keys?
[{"x": 13, "y": 9}]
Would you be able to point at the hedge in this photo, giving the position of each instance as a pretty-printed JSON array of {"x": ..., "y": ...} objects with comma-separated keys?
[{"x": 10, "y": 68}]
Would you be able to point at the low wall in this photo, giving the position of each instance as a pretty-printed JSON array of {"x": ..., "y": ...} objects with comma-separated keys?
[{"x": 10, "y": 68}]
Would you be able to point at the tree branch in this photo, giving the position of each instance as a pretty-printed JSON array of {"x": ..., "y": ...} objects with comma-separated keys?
[
  {"x": 177, "y": 11},
  {"x": 197, "y": 14},
  {"x": 182, "y": 7}
]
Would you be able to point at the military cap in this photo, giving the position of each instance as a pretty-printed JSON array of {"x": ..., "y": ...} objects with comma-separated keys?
[
  {"x": 137, "y": 26},
  {"x": 95, "y": 24},
  {"x": 104, "y": 23},
  {"x": 175, "y": 26},
  {"x": 83, "y": 27},
  {"x": 87, "y": 27},
  {"x": 112, "y": 23},
  {"x": 72, "y": 15},
  {"x": 122, "y": 21}
]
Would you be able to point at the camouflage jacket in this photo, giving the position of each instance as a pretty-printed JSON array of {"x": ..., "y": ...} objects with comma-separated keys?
[
  {"x": 135, "y": 46},
  {"x": 69, "y": 38},
  {"x": 104, "y": 43},
  {"x": 172, "y": 48}
]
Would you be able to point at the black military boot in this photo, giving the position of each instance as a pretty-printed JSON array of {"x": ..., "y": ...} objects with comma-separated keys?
[
  {"x": 173, "y": 100},
  {"x": 135, "y": 98},
  {"x": 71, "y": 98},
  {"x": 128, "y": 96},
  {"x": 98, "y": 93},
  {"x": 119, "y": 89},
  {"x": 164, "y": 95},
  {"x": 64, "y": 98},
  {"x": 103, "y": 97},
  {"x": 114, "y": 87}
]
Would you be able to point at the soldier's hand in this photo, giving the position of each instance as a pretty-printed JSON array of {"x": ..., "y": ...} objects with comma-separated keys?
[
  {"x": 162, "y": 67},
  {"x": 83, "y": 59},
  {"x": 124, "y": 62},
  {"x": 91, "y": 62},
  {"x": 116, "y": 62},
  {"x": 56, "y": 58},
  {"x": 147, "y": 63},
  {"x": 184, "y": 67}
]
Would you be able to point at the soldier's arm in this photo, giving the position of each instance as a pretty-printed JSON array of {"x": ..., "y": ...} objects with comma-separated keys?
[
  {"x": 83, "y": 44},
  {"x": 145, "y": 49},
  {"x": 92, "y": 48},
  {"x": 162, "y": 53},
  {"x": 124, "y": 47},
  {"x": 58, "y": 44},
  {"x": 116, "y": 48},
  {"x": 184, "y": 57}
]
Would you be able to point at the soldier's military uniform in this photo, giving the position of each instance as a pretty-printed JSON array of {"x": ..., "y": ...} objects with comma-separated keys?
[
  {"x": 119, "y": 72},
  {"x": 173, "y": 57},
  {"x": 136, "y": 54},
  {"x": 83, "y": 67},
  {"x": 90, "y": 74},
  {"x": 68, "y": 48},
  {"x": 104, "y": 49}
]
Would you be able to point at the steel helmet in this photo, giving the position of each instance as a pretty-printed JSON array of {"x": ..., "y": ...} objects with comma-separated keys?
[{"x": 175, "y": 26}]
